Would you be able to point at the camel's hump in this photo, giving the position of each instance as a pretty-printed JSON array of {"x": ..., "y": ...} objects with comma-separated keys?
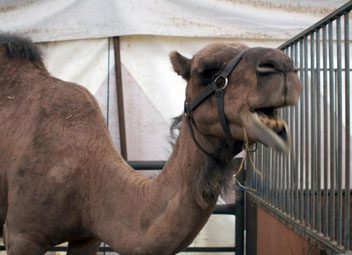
[{"x": 19, "y": 47}]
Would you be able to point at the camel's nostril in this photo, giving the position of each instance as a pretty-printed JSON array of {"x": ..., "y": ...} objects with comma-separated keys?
[{"x": 268, "y": 66}]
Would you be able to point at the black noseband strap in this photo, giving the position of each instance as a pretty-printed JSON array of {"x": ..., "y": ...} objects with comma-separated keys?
[{"x": 217, "y": 87}]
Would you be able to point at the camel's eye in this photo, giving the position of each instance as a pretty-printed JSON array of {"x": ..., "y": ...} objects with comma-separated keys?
[{"x": 207, "y": 76}]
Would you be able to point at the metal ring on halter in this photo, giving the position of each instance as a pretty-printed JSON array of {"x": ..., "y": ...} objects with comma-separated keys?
[
  {"x": 224, "y": 83},
  {"x": 185, "y": 111},
  {"x": 255, "y": 147}
]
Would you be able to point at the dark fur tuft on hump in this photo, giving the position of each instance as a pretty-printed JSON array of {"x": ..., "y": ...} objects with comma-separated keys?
[{"x": 20, "y": 48}]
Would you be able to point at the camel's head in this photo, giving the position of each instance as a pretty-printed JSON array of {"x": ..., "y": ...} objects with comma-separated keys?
[{"x": 262, "y": 81}]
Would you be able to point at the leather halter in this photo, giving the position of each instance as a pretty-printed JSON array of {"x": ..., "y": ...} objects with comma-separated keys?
[{"x": 217, "y": 87}]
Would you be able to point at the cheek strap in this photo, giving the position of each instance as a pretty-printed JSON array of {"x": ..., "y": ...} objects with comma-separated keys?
[{"x": 217, "y": 87}]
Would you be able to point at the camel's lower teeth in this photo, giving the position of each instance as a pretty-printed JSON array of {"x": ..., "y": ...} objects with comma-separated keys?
[
  {"x": 272, "y": 123},
  {"x": 268, "y": 130}
]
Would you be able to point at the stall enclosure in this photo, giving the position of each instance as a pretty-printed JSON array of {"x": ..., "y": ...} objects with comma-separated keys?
[{"x": 309, "y": 190}]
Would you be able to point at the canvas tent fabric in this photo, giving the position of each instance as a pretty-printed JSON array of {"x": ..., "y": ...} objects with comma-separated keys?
[{"x": 59, "y": 20}]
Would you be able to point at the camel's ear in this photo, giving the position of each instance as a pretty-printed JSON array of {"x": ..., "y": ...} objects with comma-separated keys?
[{"x": 181, "y": 64}]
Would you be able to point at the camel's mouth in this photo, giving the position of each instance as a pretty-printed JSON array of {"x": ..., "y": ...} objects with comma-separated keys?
[
  {"x": 268, "y": 116},
  {"x": 264, "y": 126}
]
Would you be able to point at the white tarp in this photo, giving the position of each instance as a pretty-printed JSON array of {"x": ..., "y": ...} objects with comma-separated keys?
[{"x": 54, "y": 20}]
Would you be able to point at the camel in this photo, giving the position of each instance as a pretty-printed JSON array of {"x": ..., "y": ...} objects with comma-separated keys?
[{"x": 62, "y": 180}]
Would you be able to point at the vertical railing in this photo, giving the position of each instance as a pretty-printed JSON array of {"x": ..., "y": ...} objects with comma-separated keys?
[{"x": 310, "y": 188}]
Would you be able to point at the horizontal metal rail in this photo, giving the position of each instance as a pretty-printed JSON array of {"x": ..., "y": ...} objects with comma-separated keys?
[
  {"x": 147, "y": 165},
  {"x": 189, "y": 249}
]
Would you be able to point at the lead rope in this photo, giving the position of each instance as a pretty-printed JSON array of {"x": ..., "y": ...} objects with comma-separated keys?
[
  {"x": 246, "y": 148},
  {"x": 190, "y": 128},
  {"x": 248, "y": 155}
]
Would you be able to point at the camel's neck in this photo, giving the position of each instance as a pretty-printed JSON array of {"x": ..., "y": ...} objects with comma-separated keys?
[
  {"x": 204, "y": 175},
  {"x": 165, "y": 214}
]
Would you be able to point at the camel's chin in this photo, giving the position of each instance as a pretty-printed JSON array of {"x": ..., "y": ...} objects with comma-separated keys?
[{"x": 268, "y": 130}]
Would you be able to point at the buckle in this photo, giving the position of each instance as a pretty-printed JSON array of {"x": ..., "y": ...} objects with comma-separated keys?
[
  {"x": 220, "y": 82},
  {"x": 185, "y": 109}
]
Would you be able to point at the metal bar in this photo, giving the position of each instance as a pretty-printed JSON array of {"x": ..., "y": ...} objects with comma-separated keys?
[
  {"x": 120, "y": 104},
  {"x": 257, "y": 158},
  {"x": 147, "y": 165},
  {"x": 271, "y": 152},
  {"x": 328, "y": 19},
  {"x": 239, "y": 208},
  {"x": 278, "y": 169},
  {"x": 282, "y": 182},
  {"x": 339, "y": 132},
  {"x": 265, "y": 174},
  {"x": 329, "y": 69},
  {"x": 332, "y": 136},
  {"x": 270, "y": 170},
  {"x": 293, "y": 171},
  {"x": 267, "y": 157},
  {"x": 348, "y": 134},
  {"x": 213, "y": 249},
  {"x": 287, "y": 172},
  {"x": 252, "y": 179},
  {"x": 283, "y": 174},
  {"x": 318, "y": 133},
  {"x": 306, "y": 128},
  {"x": 302, "y": 134},
  {"x": 276, "y": 180},
  {"x": 274, "y": 189},
  {"x": 259, "y": 167},
  {"x": 272, "y": 159},
  {"x": 189, "y": 249},
  {"x": 256, "y": 187},
  {"x": 262, "y": 169},
  {"x": 295, "y": 119},
  {"x": 262, "y": 163},
  {"x": 290, "y": 164},
  {"x": 291, "y": 183},
  {"x": 226, "y": 209},
  {"x": 326, "y": 135},
  {"x": 251, "y": 226},
  {"x": 283, "y": 179},
  {"x": 313, "y": 129},
  {"x": 279, "y": 180}
]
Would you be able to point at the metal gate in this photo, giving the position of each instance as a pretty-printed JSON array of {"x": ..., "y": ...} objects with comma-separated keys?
[{"x": 309, "y": 190}]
